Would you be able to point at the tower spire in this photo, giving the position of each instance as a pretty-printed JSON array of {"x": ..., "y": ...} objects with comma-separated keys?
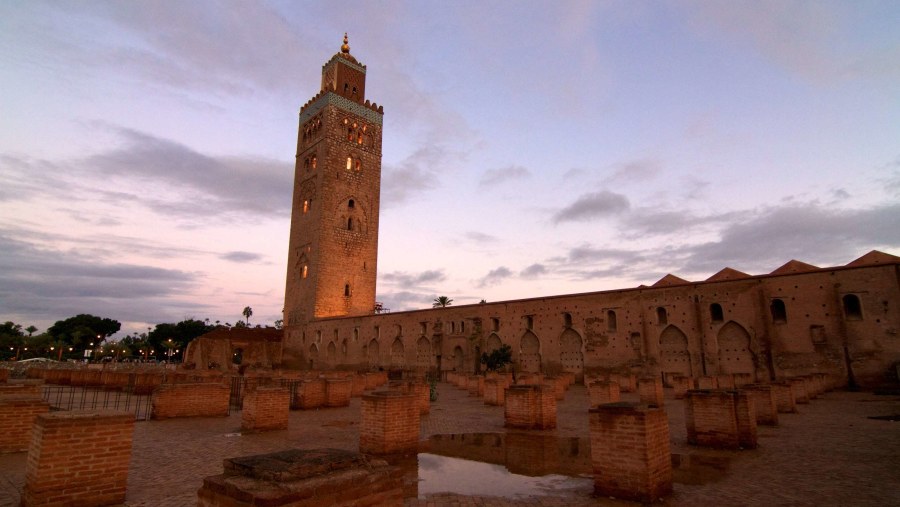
[{"x": 345, "y": 47}]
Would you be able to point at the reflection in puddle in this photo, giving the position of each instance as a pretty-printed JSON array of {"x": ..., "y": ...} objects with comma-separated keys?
[
  {"x": 518, "y": 465},
  {"x": 441, "y": 474}
]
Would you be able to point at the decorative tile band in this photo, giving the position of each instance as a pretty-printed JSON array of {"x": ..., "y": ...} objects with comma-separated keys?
[{"x": 334, "y": 99}]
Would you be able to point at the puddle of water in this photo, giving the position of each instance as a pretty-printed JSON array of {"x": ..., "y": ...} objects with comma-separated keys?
[
  {"x": 442, "y": 474},
  {"x": 518, "y": 465}
]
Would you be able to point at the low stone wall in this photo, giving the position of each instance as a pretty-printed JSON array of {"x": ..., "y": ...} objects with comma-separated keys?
[{"x": 190, "y": 400}]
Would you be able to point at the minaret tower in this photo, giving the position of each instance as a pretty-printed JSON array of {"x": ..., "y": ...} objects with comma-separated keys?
[{"x": 333, "y": 247}]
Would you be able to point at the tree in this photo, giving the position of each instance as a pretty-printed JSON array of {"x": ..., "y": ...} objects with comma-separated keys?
[
  {"x": 279, "y": 324},
  {"x": 83, "y": 329},
  {"x": 441, "y": 302},
  {"x": 247, "y": 313},
  {"x": 180, "y": 333},
  {"x": 11, "y": 339},
  {"x": 31, "y": 330},
  {"x": 498, "y": 358}
]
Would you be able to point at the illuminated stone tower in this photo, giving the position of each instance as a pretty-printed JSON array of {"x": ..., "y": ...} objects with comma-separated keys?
[{"x": 333, "y": 247}]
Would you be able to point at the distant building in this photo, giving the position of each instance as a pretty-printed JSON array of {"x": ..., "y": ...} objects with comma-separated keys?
[{"x": 795, "y": 320}]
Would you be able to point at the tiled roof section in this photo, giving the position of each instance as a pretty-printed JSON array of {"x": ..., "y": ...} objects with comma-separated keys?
[
  {"x": 670, "y": 279},
  {"x": 727, "y": 274},
  {"x": 874, "y": 258},
  {"x": 794, "y": 266}
]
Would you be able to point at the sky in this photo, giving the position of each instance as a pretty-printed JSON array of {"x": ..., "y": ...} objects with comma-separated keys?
[{"x": 530, "y": 148}]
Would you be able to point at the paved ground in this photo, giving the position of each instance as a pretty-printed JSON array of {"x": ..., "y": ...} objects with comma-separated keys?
[{"x": 830, "y": 453}]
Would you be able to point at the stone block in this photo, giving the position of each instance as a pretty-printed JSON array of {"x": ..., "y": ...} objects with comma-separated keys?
[{"x": 530, "y": 407}]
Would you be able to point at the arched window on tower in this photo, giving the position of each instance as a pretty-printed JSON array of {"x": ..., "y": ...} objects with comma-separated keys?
[
  {"x": 567, "y": 319},
  {"x": 662, "y": 318},
  {"x": 349, "y": 163},
  {"x": 304, "y": 271},
  {"x": 358, "y": 165},
  {"x": 351, "y": 204},
  {"x": 852, "y": 307},
  {"x": 305, "y": 206},
  {"x": 312, "y": 162},
  {"x": 779, "y": 311},
  {"x": 715, "y": 312},
  {"x": 347, "y": 290},
  {"x": 611, "y": 323},
  {"x": 350, "y": 224}
]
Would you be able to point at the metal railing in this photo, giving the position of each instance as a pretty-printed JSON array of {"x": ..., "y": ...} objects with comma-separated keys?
[{"x": 85, "y": 398}]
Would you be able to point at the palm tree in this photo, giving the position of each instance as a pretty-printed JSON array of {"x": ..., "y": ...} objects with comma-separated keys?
[
  {"x": 441, "y": 302},
  {"x": 31, "y": 330},
  {"x": 247, "y": 313}
]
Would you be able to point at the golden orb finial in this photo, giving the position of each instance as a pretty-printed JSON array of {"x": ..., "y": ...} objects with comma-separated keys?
[{"x": 345, "y": 48}]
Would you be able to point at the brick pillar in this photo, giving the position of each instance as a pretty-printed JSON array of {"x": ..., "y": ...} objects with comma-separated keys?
[
  {"x": 798, "y": 387},
  {"x": 4, "y": 375},
  {"x": 650, "y": 390},
  {"x": 79, "y": 458},
  {"x": 707, "y": 382},
  {"x": 359, "y": 385},
  {"x": 419, "y": 389},
  {"x": 309, "y": 394},
  {"x": 266, "y": 408},
  {"x": 530, "y": 407},
  {"x": 530, "y": 379},
  {"x": 710, "y": 419},
  {"x": 17, "y": 415},
  {"x": 627, "y": 382},
  {"x": 603, "y": 391},
  {"x": 337, "y": 392},
  {"x": 764, "y": 400},
  {"x": 812, "y": 391},
  {"x": 630, "y": 452},
  {"x": 476, "y": 386},
  {"x": 784, "y": 397},
  {"x": 725, "y": 381},
  {"x": 745, "y": 413},
  {"x": 390, "y": 423},
  {"x": 494, "y": 392},
  {"x": 680, "y": 386}
]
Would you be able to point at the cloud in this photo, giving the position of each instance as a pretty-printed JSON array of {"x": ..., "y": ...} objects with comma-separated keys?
[
  {"x": 646, "y": 221},
  {"x": 587, "y": 253},
  {"x": 480, "y": 237},
  {"x": 238, "y": 256},
  {"x": 412, "y": 176},
  {"x": 800, "y": 37},
  {"x": 809, "y": 232},
  {"x": 170, "y": 46},
  {"x": 197, "y": 184},
  {"x": 495, "y": 276},
  {"x": 635, "y": 171},
  {"x": 533, "y": 271},
  {"x": 493, "y": 177},
  {"x": 43, "y": 283},
  {"x": 594, "y": 205},
  {"x": 406, "y": 280}
]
